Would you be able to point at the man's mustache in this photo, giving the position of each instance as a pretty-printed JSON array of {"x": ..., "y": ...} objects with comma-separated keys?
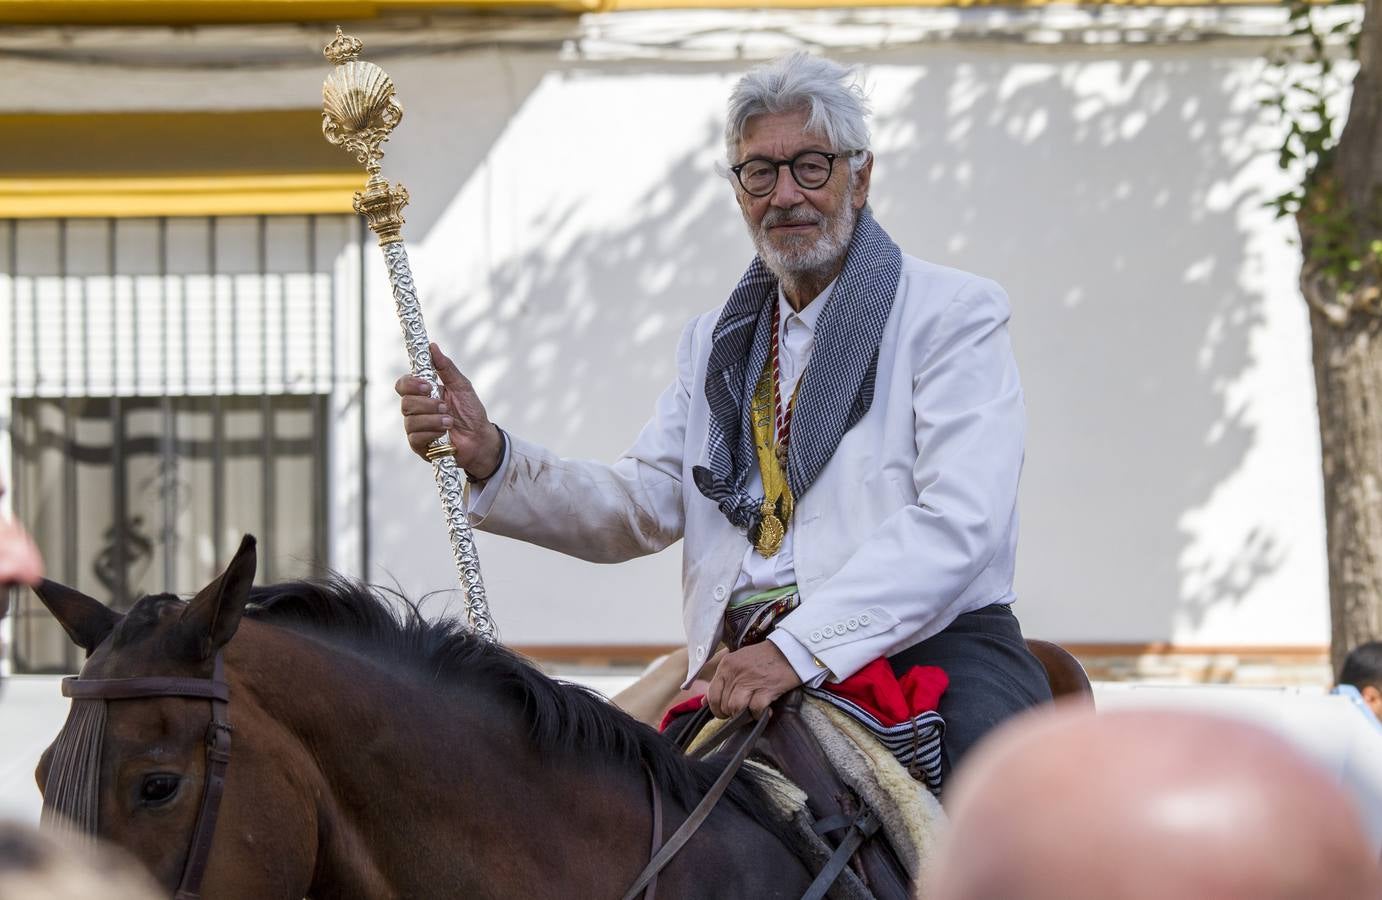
[{"x": 777, "y": 217}]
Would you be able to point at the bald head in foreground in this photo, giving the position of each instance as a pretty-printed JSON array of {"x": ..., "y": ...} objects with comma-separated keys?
[{"x": 1067, "y": 804}]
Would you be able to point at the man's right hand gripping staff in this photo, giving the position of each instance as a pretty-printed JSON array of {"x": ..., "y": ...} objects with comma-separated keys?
[{"x": 477, "y": 442}]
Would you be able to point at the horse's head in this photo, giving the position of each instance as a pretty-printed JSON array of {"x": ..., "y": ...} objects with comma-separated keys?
[{"x": 135, "y": 768}]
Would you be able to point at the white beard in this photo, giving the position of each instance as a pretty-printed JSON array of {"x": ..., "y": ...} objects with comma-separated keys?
[{"x": 796, "y": 259}]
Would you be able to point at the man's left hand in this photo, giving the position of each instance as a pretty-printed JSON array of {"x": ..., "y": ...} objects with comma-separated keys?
[{"x": 750, "y": 678}]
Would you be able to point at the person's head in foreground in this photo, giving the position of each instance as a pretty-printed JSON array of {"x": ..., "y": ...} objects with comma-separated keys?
[
  {"x": 20, "y": 564},
  {"x": 19, "y": 559},
  {"x": 35, "y": 865},
  {"x": 1363, "y": 670},
  {"x": 1069, "y": 804}
]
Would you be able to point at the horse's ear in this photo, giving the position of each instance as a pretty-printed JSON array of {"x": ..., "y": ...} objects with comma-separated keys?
[
  {"x": 86, "y": 620},
  {"x": 210, "y": 620}
]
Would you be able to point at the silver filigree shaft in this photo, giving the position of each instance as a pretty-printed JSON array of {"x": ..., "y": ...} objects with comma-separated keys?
[
  {"x": 360, "y": 110},
  {"x": 450, "y": 483}
]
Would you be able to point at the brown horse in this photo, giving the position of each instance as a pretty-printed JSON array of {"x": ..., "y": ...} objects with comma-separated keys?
[{"x": 375, "y": 754}]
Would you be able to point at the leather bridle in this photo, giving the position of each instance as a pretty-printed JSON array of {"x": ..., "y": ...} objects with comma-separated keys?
[
  {"x": 217, "y": 748},
  {"x": 219, "y": 729}
]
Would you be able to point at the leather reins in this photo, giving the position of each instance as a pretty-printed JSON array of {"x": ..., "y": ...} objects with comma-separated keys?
[
  {"x": 661, "y": 857},
  {"x": 218, "y": 732},
  {"x": 859, "y": 828}
]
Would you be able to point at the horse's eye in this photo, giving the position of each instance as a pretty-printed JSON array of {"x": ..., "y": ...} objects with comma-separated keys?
[{"x": 157, "y": 790}]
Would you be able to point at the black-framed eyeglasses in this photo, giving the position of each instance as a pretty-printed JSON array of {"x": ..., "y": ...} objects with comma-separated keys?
[{"x": 810, "y": 169}]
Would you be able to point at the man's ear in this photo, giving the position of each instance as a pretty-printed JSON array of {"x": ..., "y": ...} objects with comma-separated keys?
[
  {"x": 741, "y": 197},
  {"x": 86, "y": 620},
  {"x": 862, "y": 179},
  {"x": 210, "y": 620}
]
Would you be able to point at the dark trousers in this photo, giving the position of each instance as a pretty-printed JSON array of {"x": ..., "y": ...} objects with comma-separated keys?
[{"x": 992, "y": 675}]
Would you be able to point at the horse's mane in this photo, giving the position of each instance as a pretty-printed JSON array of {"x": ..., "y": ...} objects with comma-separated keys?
[{"x": 562, "y": 718}]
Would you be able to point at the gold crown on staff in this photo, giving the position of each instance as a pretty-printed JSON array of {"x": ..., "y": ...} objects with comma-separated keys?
[{"x": 359, "y": 111}]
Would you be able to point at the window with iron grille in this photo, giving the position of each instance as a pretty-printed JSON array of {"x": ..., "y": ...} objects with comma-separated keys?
[
  {"x": 171, "y": 385},
  {"x": 134, "y": 494}
]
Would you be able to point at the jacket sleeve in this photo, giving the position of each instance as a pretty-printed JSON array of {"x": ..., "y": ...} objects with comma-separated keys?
[
  {"x": 598, "y": 512},
  {"x": 902, "y": 584}
]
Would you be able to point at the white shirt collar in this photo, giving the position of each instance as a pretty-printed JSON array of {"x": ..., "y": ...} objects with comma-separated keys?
[{"x": 810, "y": 313}]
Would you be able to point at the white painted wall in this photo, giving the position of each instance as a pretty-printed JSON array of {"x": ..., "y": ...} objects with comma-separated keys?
[{"x": 568, "y": 219}]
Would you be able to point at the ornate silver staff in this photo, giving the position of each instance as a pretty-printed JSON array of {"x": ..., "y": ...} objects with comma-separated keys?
[{"x": 358, "y": 112}]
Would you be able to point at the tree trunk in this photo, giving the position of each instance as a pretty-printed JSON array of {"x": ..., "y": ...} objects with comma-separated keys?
[
  {"x": 1348, "y": 387},
  {"x": 1359, "y": 154},
  {"x": 1347, "y": 339}
]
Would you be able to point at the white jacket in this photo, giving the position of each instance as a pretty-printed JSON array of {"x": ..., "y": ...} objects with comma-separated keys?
[{"x": 912, "y": 522}]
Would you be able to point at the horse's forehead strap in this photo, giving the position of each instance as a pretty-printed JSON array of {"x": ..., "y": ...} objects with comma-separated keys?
[{"x": 136, "y": 688}]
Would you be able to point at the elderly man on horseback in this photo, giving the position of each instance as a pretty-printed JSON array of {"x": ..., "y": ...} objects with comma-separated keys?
[{"x": 840, "y": 449}]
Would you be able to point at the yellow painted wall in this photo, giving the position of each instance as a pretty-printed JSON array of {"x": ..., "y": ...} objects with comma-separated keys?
[{"x": 186, "y": 163}]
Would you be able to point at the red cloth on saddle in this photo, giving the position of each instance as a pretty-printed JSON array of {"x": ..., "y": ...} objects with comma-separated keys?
[
  {"x": 890, "y": 699},
  {"x": 689, "y": 705}
]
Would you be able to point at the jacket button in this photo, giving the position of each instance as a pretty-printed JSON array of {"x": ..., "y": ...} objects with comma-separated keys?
[
  {"x": 815, "y": 637},
  {"x": 839, "y": 627},
  {"x": 852, "y": 625},
  {"x": 700, "y": 654},
  {"x": 719, "y": 592},
  {"x": 865, "y": 619},
  {"x": 828, "y": 631}
]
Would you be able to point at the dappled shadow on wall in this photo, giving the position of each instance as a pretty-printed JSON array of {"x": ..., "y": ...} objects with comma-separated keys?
[{"x": 1118, "y": 201}]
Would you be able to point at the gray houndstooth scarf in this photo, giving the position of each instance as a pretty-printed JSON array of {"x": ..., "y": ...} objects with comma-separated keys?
[{"x": 836, "y": 388}]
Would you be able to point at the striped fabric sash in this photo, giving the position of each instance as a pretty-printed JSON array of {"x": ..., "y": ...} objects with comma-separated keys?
[
  {"x": 916, "y": 743},
  {"x": 750, "y": 619}
]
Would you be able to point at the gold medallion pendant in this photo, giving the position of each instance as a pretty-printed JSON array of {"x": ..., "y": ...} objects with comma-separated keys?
[
  {"x": 775, "y": 515},
  {"x": 771, "y": 531}
]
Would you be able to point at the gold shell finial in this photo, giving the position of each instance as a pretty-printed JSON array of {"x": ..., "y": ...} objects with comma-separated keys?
[{"x": 359, "y": 110}]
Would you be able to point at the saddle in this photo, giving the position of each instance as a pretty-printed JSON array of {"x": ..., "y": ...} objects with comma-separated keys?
[
  {"x": 839, "y": 816},
  {"x": 861, "y": 864}
]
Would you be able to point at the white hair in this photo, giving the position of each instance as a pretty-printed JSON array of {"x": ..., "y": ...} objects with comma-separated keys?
[{"x": 830, "y": 92}]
